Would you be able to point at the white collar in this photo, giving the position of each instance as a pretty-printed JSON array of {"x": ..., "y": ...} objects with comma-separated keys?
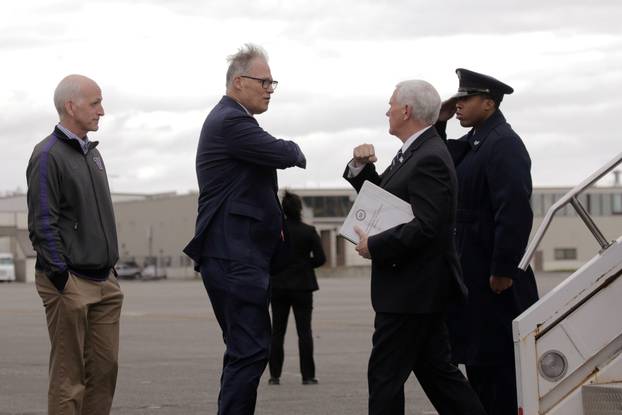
[
  {"x": 243, "y": 107},
  {"x": 412, "y": 138}
]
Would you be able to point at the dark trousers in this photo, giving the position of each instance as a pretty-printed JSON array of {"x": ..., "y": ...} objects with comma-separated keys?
[
  {"x": 239, "y": 294},
  {"x": 418, "y": 343},
  {"x": 302, "y": 304},
  {"x": 496, "y": 387}
]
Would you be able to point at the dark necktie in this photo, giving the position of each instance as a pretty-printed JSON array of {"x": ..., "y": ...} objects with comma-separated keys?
[{"x": 397, "y": 159}]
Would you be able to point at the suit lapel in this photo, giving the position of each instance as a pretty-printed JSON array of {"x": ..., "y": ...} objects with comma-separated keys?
[{"x": 390, "y": 172}]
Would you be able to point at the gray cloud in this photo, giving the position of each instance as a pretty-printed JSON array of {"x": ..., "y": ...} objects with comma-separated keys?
[
  {"x": 122, "y": 101},
  {"x": 563, "y": 108},
  {"x": 317, "y": 114},
  {"x": 402, "y": 19},
  {"x": 37, "y": 25},
  {"x": 362, "y": 20}
]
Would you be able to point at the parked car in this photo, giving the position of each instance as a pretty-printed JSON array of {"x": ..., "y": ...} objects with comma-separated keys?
[
  {"x": 153, "y": 272},
  {"x": 7, "y": 267},
  {"x": 130, "y": 270}
]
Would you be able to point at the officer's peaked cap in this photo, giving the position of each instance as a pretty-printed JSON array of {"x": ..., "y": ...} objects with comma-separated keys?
[{"x": 473, "y": 83}]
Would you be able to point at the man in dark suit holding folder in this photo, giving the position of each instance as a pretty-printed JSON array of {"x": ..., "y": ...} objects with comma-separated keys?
[
  {"x": 240, "y": 223},
  {"x": 415, "y": 270}
]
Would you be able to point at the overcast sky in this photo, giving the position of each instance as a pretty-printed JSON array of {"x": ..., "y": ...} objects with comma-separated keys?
[{"x": 161, "y": 65}]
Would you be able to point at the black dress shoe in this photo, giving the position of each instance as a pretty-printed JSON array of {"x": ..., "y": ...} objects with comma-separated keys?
[
  {"x": 310, "y": 381},
  {"x": 274, "y": 381}
]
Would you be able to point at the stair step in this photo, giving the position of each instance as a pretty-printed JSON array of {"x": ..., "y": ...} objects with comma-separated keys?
[{"x": 602, "y": 399}]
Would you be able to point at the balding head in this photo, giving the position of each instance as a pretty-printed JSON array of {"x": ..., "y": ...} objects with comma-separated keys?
[
  {"x": 69, "y": 89},
  {"x": 78, "y": 102}
]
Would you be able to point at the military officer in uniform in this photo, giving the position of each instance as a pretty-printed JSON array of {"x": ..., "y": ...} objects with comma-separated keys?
[{"x": 494, "y": 220}]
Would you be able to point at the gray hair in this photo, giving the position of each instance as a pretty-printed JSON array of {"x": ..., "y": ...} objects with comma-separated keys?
[
  {"x": 67, "y": 89},
  {"x": 240, "y": 61},
  {"x": 422, "y": 97}
]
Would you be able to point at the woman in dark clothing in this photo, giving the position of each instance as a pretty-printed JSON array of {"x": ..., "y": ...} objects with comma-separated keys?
[{"x": 293, "y": 288}]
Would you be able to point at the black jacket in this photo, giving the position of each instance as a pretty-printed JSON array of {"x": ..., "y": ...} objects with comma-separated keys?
[
  {"x": 305, "y": 254},
  {"x": 70, "y": 215},
  {"x": 494, "y": 222},
  {"x": 415, "y": 268}
]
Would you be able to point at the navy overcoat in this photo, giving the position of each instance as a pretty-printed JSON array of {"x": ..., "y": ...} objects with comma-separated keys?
[{"x": 494, "y": 221}]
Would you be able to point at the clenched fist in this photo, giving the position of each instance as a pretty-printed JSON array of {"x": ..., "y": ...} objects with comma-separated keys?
[{"x": 364, "y": 154}]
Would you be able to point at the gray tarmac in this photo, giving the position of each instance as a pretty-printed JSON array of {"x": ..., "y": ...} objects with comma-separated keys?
[{"x": 171, "y": 352}]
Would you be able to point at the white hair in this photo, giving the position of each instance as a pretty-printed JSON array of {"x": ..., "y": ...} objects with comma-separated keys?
[
  {"x": 68, "y": 89},
  {"x": 240, "y": 61},
  {"x": 422, "y": 97}
]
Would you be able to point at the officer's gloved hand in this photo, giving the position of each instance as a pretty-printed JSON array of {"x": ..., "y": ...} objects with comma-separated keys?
[{"x": 59, "y": 279}]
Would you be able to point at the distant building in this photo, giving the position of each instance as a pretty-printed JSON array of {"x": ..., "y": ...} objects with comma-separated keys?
[
  {"x": 153, "y": 229},
  {"x": 568, "y": 244},
  {"x": 160, "y": 227},
  {"x": 14, "y": 229}
]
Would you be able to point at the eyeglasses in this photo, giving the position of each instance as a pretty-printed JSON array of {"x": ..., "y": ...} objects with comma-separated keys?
[{"x": 265, "y": 83}]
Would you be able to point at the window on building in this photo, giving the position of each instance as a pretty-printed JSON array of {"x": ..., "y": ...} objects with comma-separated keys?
[
  {"x": 331, "y": 206},
  {"x": 606, "y": 203},
  {"x": 562, "y": 254},
  {"x": 150, "y": 260},
  {"x": 328, "y": 206},
  {"x": 567, "y": 210},
  {"x": 343, "y": 206},
  {"x": 594, "y": 204},
  {"x": 588, "y": 204},
  {"x": 550, "y": 200},
  {"x": 583, "y": 199},
  {"x": 616, "y": 203},
  {"x": 538, "y": 204}
]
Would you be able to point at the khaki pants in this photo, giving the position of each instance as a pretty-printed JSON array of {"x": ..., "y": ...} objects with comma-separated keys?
[{"x": 83, "y": 323}]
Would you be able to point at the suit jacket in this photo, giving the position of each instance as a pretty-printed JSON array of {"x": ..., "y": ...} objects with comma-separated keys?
[
  {"x": 306, "y": 253},
  {"x": 239, "y": 214},
  {"x": 493, "y": 225},
  {"x": 415, "y": 268}
]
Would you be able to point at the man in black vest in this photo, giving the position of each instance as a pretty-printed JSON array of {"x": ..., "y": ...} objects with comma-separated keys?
[
  {"x": 415, "y": 272},
  {"x": 493, "y": 225}
]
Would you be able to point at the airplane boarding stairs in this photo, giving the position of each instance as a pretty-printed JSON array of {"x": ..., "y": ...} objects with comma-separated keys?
[{"x": 568, "y": 345}]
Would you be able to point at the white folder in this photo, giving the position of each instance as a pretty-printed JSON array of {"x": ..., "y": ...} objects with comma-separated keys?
[{"x": 375, "y": 210}]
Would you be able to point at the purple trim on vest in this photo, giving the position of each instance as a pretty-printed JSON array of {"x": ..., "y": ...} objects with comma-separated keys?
[{"x": 45, "y": 205}]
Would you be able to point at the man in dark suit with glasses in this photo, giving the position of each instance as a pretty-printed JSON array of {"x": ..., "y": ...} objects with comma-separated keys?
[{"x": 239, "y": 228}]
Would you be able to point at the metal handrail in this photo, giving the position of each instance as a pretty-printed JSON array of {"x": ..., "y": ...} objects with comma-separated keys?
[{"x": 571, "y": 197}]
